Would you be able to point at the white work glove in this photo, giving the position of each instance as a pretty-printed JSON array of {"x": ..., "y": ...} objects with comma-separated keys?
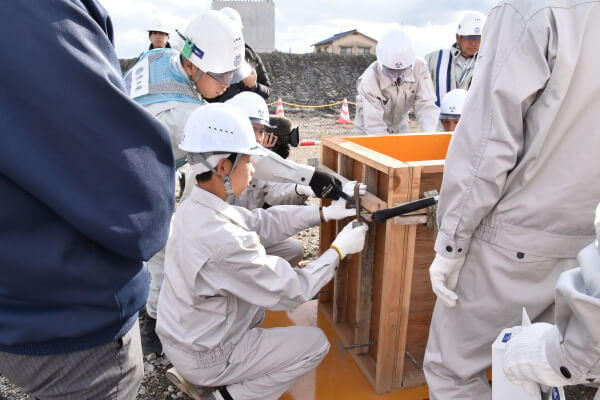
[
  {"x": 525, "y": 359},
  {"x": 337, "y": 210},
  {"x": 306, "y": 191},
  {"x": 443, "y": 273},
  {"x": 348, "y": 188},
  {"x": 350, "y": 240}
]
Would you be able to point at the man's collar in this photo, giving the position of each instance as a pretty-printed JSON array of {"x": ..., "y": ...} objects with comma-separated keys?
[{"x": 455, "y": 52}]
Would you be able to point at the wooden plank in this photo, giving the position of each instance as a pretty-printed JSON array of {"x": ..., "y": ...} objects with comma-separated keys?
[
  {"x": 399, "y": 184},
  {"x": 362, "y": 325},
  {"x": 329, "y": 158},
  {"x": 366, "y": 156},
  {"x": 406, "y": 285},
  {"x": 340, "y": 282}
]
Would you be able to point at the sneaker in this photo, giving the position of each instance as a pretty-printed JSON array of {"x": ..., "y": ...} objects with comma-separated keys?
[
  {"x": 150, "y": 341},
  {"x": 195, "y": 392}
]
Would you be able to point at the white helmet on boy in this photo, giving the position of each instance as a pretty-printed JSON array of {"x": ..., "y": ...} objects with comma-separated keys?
[
  {"x": 212, "y": 133},
  {"x": 452, "y": 104},
  {"x": 254, "y": 106},
  {"x": 471, "y": 24},
  {"x": 219, "y": 127},
  {"x": 395, "y": 50},
  {"x": 213, "y": 43}
]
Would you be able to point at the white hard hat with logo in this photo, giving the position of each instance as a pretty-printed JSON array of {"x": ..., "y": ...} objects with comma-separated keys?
[
  {"x": 215, "y": 131},
  {"x": 395, "y": 50},
  {"x": 254, "y": 106},
  {"x": 471, "y": 24},
  {"x": 233, "y": 14},
  {"x": 158, "y": 26},
  {"x": 452, "y": 104},
  {"x": 213, "y": 43}
]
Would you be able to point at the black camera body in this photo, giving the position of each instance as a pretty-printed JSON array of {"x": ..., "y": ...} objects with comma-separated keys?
[{"x": 287, "y": 134}]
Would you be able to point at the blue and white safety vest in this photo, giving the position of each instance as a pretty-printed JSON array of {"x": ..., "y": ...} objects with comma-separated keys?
[{"x": 153, "y": 79}]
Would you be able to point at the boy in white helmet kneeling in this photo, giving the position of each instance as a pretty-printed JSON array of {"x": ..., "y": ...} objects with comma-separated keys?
[{"x": 219, "y": 280}]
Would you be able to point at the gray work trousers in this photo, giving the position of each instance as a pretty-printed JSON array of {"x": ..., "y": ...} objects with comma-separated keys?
[
  {"x": 262, "y": 365},
  {"x": 290, "y": 249},
  {"x": 112, "y": 371},
  {"x": 493, "y": 286}
]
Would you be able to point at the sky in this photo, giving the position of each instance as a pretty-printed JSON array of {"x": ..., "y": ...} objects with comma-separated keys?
[{"x": 299, "y": 23}]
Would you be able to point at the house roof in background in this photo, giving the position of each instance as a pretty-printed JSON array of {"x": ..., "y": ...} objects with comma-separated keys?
[{"x": 340, "y": 35}]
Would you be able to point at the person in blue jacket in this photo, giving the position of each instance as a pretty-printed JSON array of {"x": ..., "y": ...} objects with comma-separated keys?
[{"x": 86, "y": 183}]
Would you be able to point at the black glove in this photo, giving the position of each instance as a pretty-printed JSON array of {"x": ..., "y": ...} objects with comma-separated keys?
[{"x": 325, "y": 185}]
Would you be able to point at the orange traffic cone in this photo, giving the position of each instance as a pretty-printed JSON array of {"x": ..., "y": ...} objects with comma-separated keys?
[
  {"x": 279, "y": 110},
  {"x": 344, "y": 115}
]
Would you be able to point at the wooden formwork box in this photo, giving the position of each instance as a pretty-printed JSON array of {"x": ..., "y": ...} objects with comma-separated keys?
[{"x": 380, "y": 302}]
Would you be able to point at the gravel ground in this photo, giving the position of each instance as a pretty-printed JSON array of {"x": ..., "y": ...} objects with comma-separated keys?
[{"x": 313, "y": 125}]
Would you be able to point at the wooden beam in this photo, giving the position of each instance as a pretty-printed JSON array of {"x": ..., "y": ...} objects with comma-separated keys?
[
  {"x": 327, "y": 231},
  {"x": 340, "y": 283},
  {"x": 395, "y": 253},
  {"x": 364, "y": 297},
  {"x": 406, "y": 284}
]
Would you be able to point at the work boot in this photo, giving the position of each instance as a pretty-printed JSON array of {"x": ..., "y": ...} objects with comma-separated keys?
[
  {"x": 195, "y": 392},
  {"x": 150, "y": 341}
]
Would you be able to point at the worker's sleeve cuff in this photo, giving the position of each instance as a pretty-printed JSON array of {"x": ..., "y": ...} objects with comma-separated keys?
[
  {"x": 451, "y": 248},
  {"x": 558, "y": 360}
]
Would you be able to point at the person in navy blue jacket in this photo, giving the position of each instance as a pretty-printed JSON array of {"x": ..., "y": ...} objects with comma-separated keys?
[{"x": 86, "y": 183}]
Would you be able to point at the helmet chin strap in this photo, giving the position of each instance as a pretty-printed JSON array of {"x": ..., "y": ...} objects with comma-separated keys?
[{"x": 226, "y": 180}]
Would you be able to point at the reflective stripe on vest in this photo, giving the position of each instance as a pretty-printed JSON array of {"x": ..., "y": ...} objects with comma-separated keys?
[{"x": 442, "y": 84}]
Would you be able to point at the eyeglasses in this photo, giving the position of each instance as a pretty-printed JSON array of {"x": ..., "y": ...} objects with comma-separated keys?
[
  {"x": 223, "y": 78},
  {"x": 472, "y": 37}
]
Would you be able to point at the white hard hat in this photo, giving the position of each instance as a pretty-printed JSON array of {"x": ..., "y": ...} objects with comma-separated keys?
[
  {"x": 213, "y": 43},
  {"x": 157, "y": 26},
  {"x": 219, "y": 127},
  {"x": 395, "y": 50},
  {"x": 471, "y": 24},
  {"x": 233, "y": 14},
  {"x": 452, "y": 104},
  {"x": 254, "y": 106}
]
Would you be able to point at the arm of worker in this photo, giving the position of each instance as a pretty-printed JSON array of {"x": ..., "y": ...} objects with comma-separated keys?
[
  {"x": 489, "y": 139},
  {"x": 426, "y": 111},
  {"x": 372, "y": 110},
  {"x": 263, "y": 83},
  {"x": 274, "y": 168},
  {"x": 277, "y": 223},
  {"x": 567, "y": 353},
  {"x": 270, "y": 281},
  {"x": 285, "y": 193},
  {"x": 93, "y": 156},
  {"x": 174, "y": 115},
  {"x": 573, "y": 345}
]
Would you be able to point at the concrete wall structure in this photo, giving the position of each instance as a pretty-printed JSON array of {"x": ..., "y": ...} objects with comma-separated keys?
[{"x": 258, "y": 17}]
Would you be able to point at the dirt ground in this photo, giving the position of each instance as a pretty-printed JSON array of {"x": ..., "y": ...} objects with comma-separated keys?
[{"x": 313, "y": 125}]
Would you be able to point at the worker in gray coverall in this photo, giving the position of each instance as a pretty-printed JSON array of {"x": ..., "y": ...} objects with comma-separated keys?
[
  {"x": 520, "y": 185},
  {"x": 219, "y": 280},
  {"x": 567, "y": 353},
  {"x": 391, "y": 86}
]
